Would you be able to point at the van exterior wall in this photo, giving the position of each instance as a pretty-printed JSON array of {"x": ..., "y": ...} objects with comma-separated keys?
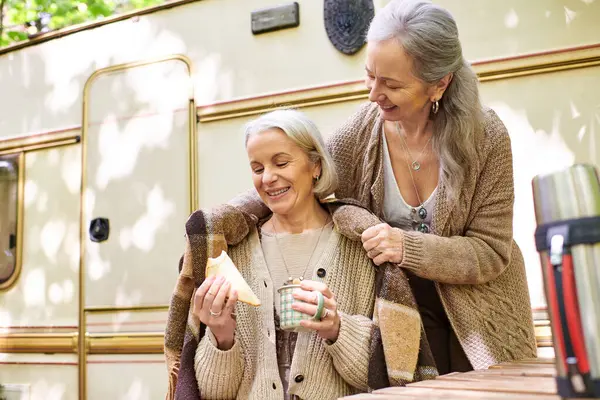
[{"x": 45, "y": 82}]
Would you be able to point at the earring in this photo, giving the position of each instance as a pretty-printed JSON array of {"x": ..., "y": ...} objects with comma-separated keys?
[
  {"x": 317, "y": 178},
  {"x": 436, "y": 107}
]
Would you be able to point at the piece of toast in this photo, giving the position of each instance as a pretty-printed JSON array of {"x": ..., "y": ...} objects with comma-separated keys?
[{"x": 224, "y": 266}]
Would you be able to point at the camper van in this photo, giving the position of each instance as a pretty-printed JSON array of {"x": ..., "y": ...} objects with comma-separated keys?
[{"x": 113, "y": 132}]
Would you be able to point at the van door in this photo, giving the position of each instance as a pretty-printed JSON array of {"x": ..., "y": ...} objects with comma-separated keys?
[{"x": 138, "y": 184}]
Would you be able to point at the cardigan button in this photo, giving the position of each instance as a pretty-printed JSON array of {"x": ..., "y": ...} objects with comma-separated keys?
[
  {"x": 299, "y": 378},
  {"x": 321, "y": 272}
]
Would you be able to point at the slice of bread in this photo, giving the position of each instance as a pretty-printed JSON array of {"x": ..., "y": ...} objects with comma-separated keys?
[{"x": 224, "y": 266}]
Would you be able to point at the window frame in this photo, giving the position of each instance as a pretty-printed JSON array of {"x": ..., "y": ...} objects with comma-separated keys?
[{"x": 13, "y": 279}]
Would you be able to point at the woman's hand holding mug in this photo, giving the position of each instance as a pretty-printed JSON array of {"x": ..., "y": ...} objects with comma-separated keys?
[{"x": 326, "y": 321}]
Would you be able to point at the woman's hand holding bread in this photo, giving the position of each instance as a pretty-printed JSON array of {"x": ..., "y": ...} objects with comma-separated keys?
[{"x": 215, "y": 309}]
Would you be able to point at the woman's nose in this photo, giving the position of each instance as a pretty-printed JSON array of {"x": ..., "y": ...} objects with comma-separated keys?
[
  {"x": 268, "y": 176},
  {"x": 375, "y": 94}
]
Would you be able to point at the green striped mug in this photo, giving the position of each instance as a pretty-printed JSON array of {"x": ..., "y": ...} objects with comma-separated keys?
[{"x": 289, "y": 319}]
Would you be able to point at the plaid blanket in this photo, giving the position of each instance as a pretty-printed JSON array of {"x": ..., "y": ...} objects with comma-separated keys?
[{"x": 400, "y": 352}]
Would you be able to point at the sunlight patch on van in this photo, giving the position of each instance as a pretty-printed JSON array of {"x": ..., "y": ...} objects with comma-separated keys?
[
  {"x": 143, "y": 233},
  {"x": 42, "y": 389},
  {"x": 551, "y": 154},
  {"x": 34, "y": 288},
  {"x": 120, "y": 149},
  {"x": 210, "y": 77},
  {"x": 31, "y": 191},
  {"x": 42, "y": 203},
  {"x": 5, "y": 320},
  {"x": 96, "y": 266},
  {"x": 71, "y": 246},
  {"x": 137, "y": 391},
  {"x": 51, "y": 237},
  {"x": 569, "y": 15},
  {"x": 61, "y": 292},
  {"x": 71, "y": 168},
  {"x": 511, "y": 19},
  {"x": 125, "y": 297}
]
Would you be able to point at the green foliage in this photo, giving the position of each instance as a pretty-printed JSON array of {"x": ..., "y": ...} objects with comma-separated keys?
[{"x": 18, "y": 17}]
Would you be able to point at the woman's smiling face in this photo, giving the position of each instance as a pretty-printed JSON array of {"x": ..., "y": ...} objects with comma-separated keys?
[
  {"x": 399, "y": 94},
  {"x": 282, "y": 172}
]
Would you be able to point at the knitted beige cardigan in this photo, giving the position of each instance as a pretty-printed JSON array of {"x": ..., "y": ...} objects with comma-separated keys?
[
  {"x": 398, "y": 352},
  {"x": 470, "y": 253},
  {"x": 249, "y": 369}
]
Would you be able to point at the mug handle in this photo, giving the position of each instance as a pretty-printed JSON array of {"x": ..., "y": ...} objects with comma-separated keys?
[{"x": 320, "y": 306}]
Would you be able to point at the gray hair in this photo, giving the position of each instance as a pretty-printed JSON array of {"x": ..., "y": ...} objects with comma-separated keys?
[
  {"x": 305, "y": 134},
  {"x": 429, "y": 36}
]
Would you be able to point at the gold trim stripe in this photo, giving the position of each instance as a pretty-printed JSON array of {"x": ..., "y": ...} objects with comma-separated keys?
[
  {"x": 308, "y": 97},
  {"x": 133, "y": 343},
  {"x": 97, "y": 343},
  {"x": 39, "y": 343},
  {"x": 487, "y": 70},
  {"x": 538, "y": 63},
  {"x": 39, "y": 141},
  {"x": 111, "y": 309}
]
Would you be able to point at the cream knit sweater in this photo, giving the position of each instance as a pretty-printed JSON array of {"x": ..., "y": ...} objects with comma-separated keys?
[{"x": 320, "y": 371}]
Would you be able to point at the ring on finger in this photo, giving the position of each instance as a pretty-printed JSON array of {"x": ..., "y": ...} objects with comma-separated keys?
[
  {"x": 214, "y": 314},
  {"x": 320, "y": 307}
]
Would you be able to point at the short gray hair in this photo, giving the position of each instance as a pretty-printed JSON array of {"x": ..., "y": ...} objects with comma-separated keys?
[
  {"x": 305, "y": 134},
  {"x": 429, "y": 36}
]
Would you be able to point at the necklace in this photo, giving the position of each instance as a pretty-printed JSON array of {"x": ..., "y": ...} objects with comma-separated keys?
[
  {"x": 291, "y": 280},
  {"x": 422, "y": 212},
  {"x": 415, "y": 164}
]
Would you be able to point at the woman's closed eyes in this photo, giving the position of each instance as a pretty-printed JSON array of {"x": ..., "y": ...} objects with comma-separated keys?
[{"x": 260, "y": 170}]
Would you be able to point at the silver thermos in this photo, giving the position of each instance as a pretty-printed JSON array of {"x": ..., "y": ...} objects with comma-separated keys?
[{"x": 567, "y": 211}]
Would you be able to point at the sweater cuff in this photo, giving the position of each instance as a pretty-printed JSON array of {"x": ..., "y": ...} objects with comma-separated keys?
[
  {"x": 413, "y": 251},
  {"x": 353, "y": 341},
  {"x": 218, "y": 372}
]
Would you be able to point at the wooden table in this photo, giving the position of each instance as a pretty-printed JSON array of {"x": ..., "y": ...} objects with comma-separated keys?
[{"x": 531, "y": 379}]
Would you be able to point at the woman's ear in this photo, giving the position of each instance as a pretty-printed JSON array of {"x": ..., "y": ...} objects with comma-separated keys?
[
  {"x": 317, "y": 170},
  {"x": 440, "y": 87}
]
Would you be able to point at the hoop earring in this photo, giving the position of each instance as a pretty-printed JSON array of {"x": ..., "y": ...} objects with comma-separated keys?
[{"x": 435, "y": 107}]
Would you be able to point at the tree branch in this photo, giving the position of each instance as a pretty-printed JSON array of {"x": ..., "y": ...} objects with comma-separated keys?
[{"x": 1, "y": 16}]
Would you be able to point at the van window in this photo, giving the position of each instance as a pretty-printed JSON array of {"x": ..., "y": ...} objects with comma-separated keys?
[{"x": 9, "y": 184}]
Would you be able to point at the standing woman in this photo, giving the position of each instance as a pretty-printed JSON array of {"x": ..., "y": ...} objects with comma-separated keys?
[{"x": 437, "y": 167}]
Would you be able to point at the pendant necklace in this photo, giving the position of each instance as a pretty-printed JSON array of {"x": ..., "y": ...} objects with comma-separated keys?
[
  {"x": 422, "y": 211},
  {"x": 416, "y": 165},
  {"x": 291, "y": 280}
]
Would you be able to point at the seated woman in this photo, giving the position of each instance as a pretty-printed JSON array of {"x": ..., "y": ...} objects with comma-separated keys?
[{"x": 243, "y": 353}]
